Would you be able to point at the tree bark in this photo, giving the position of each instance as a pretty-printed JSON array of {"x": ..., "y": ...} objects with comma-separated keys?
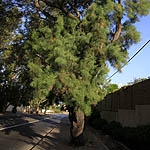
[
  {"x": 4, "y": 107},
  {"x": 14, "y": 110},
  {"x": 77, "y": 120}
]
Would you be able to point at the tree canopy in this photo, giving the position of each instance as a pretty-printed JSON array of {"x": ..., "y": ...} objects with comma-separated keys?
[{"x": 65, "y": 45}]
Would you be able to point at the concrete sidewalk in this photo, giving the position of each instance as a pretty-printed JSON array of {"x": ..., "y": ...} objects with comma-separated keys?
[{"x": 59, "y": 138}]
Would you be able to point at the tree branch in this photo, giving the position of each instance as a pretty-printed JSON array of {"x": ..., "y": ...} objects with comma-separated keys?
[
  {"x": 69, "y": 13},
  {"x": 74, "y": 6},
  {"x": 50, "y": 4},
  {"x": 78, "y": 13},
  {"x": 37, "y": 4},
  {"x": 42, "y": 10},
  {"x": 58, "y": 6},
  {"x": 86, "y": 1},
  {"x": 118, "y": 26},
  {"x": 118, "y": 30}
]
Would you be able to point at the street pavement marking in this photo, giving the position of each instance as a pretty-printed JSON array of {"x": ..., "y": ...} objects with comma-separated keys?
[{"x": 22, "y": 124}]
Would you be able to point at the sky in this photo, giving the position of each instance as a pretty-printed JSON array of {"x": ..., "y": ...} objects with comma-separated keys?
[{"x": 139, "y": 66}]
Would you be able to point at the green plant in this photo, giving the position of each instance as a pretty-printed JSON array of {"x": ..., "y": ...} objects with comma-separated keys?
[
  {"x": 112, "y": 128},
  {"x": 136, "y": 138},
  {"x": 99, "y": 123},
  {"x": 57, "y": 110},
  {"x": 94, "y": 115}
]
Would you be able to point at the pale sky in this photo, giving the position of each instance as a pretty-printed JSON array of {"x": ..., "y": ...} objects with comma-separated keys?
[{"x": 139, "y": 66}]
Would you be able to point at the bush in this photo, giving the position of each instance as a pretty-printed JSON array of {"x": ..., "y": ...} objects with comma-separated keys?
[
  {"x": 57, "y": 110},
  {"x": 137, "y": 138},
  {"x": 99, "y": 123},
  {"x": 134, "y": 137},
  {"x": 113, "y": 129},
  {"x": 143, "y": 134},
  {"x": 94, "y": 115}
]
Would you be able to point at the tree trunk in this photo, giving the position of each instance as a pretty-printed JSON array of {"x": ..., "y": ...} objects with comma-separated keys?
[
  {"x": 77, "y": 120},
  {"x": 3, "y": 107},
  {"x": 14, "y": 110}
]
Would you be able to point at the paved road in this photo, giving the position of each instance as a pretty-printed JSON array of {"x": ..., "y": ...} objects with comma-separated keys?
[{"x": 23, "y": 132}]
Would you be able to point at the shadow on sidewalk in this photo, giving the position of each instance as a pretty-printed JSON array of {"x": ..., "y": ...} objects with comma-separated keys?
[{"x": 59, "y": 139}]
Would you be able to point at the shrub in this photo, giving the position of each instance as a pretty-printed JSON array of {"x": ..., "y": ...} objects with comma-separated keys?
[
  {"x": 134, "y": 137},
  {"x": 57, "y": 110},
  {"x": 137, "y": 138},
  {"x": 113, "y": 129},
  {"x": 94, "y": 115},
  {"x": 143, "y": 134},
  {"x": 99, "y": 123}
]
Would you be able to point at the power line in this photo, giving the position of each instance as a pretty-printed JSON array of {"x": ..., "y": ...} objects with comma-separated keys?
[{"x": 129, "y": 59}]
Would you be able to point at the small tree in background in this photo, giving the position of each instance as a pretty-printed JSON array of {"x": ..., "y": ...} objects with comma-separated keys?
[
  {"x": 137, "y": 80},
  {"x": 111, "y": 88}
]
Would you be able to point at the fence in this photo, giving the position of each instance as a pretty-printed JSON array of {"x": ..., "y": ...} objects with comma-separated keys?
[{"x": 130, "y": 105}]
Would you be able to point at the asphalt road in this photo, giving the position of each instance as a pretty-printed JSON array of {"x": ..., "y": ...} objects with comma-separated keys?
[{"x": 24, "y": 132}]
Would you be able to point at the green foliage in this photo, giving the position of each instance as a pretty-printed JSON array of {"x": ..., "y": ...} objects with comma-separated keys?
[
  {"x": 95, "y": 114},
  {"x": 110, "y": 88},
  {"x": 137, "y": 137},
  {"x": 15, "y": 86},
  {"x": 113, "y": 129},
  {"x": 57, "y": 110},
  {"x": 137, "y": 81},
  {"x": 99, "y": 123},
  {"x": 134, "y": 137},
  {"x": 73, "y": 55},
  {"x": 64, "y": 48},
  {"x": 63, "y": 65},
  {"x": 140, "y": 8}
]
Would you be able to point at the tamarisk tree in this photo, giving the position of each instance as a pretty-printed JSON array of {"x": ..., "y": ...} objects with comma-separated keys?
[{"x": 69, "y": 53}]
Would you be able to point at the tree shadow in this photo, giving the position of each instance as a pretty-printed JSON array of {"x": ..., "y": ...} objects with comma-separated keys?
[
  {"x": 58, "y": 138},
  {"x": 29, "y": 133},
  {"x": 55, "y": 136}
]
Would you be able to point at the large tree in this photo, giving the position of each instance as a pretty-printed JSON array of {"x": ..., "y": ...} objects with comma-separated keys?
[
  {"x": 14, "y": 76},
  {"x": 10, "y": 19},
  {"x": 69, "y": 55}
]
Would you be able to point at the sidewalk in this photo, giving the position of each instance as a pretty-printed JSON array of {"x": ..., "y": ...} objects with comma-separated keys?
[{"x": 59, "y": 138}]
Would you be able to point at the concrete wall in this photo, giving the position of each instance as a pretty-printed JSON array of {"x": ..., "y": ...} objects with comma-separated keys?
[{"x": 130, "y": 105}]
